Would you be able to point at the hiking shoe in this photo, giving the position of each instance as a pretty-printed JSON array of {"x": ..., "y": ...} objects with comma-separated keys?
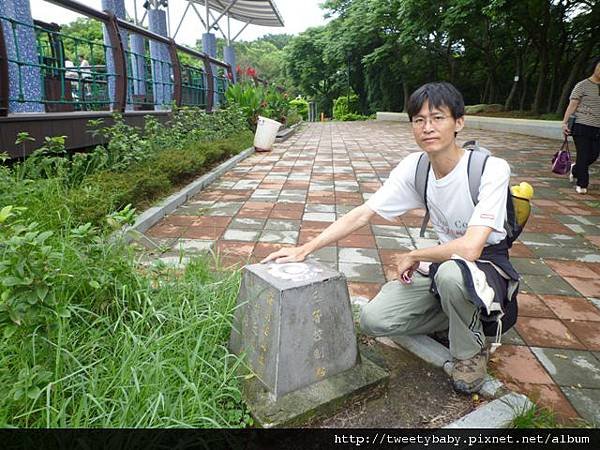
[
  {"x": 571, "y": 176},
  {"x": 580, "y": 190},
  {"x": 468, "y": 375}
]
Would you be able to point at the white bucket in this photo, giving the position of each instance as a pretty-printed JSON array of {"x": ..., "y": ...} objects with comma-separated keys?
[{"x": 266, "y": 131}]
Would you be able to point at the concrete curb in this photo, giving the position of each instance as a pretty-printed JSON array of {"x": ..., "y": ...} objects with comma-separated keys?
[
  {"x": 496, "y": 414},
  {"x": 286, "y": 133},
  {"x": 549, "y": 129},
  {"x": 152, "y": 215}
]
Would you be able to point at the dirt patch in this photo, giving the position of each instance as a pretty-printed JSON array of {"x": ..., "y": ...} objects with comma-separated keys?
[{"x": 419, "y": 395}]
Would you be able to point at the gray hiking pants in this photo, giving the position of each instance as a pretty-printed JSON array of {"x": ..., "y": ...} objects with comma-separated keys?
[{"x": 411, "y": 309}]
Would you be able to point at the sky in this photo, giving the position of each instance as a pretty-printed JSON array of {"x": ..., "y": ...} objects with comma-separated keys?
[{"x": 298, "y": 15}]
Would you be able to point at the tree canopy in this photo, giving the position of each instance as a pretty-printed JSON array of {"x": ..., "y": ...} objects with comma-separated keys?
[{"x": 525, "y": 54}]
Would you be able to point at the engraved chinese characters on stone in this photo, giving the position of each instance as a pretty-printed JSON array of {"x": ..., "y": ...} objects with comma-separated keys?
[{"x": 304, "y": 323}]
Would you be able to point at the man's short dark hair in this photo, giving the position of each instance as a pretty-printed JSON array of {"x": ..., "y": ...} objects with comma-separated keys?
[{"x": 437, "y": 94}]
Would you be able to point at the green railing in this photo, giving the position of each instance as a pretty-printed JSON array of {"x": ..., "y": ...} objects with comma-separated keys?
[{"x": 70, "y": 83}]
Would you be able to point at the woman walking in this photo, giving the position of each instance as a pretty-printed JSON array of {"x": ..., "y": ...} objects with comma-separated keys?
[{"x": 585, "y": 104}]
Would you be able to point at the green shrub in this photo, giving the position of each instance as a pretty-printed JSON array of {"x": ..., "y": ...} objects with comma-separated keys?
[
  {"x": 301, "y": 106},
  {"x": 104, "y": 192},
  {"x": 345, "y": 105},
  {"x": 351, "y": 117}
]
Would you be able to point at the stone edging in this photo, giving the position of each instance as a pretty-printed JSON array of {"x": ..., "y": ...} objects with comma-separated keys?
[
  {"x": 496, "y": 414},
  {"x": 286, "y": 133},
  {"x": 152, "y": 215}
]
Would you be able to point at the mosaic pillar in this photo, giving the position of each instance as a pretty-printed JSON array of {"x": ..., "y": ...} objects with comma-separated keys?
[
  {"x": 117, "y": 7},
  {"x": 229, "y": 58},
  {"x": 209, "y": 46},
  {"x": 159, "y": 52},
  {"x": 25, "y": 82},
  {"x": 138, "y": 68}
]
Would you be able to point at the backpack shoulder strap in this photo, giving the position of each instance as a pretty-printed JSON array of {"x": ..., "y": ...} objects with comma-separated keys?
[
  {"x": 478, "y": 157},
  {"x": 421, "y": 178}
]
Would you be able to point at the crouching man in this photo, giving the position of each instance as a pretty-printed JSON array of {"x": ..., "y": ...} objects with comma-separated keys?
[{"x": 471, "y": 288}]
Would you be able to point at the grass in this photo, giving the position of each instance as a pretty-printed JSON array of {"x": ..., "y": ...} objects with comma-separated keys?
[
  {"x": 542, "y": 417},
  {"x": 535, "y": 417},
  {"x": 120, "y": 344},
  {"x": 154, "y": 357}
]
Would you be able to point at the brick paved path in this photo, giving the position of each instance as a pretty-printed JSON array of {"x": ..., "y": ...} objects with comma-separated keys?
[{"x": 288, "y": 196}]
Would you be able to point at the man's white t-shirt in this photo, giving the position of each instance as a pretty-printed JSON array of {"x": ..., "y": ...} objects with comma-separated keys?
[{"x": 449, "y": 200}]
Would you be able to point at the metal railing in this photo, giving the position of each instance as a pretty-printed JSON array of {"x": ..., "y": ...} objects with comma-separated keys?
[{"x": 111, "y": 76}]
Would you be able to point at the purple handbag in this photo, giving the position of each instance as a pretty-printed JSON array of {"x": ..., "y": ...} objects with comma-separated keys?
[{"x": 561, "y": 161}]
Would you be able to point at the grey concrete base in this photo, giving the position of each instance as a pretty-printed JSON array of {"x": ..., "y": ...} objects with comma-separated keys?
[
  {"x": 550, "y": 129},
  {"x": 320, "y": 399},
  {"x": 496, "y": 414},
  {"x": 152, "y": 215}
]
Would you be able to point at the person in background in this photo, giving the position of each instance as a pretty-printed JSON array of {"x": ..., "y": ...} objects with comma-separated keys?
[{"x": 585, "y": 106}]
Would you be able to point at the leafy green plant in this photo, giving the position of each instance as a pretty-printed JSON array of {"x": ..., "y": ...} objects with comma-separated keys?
[
  {"x": 301, "y": 106},
  {"x": 248, "y": 98},
  {"x": 27, "y": 277},
  {"x": 344, "y": 105},
  {"x": 22, "y": 138}
]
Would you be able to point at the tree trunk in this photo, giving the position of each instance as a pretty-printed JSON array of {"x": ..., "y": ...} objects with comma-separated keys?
[
  {"x": 524, "y": 92},
  {"x": 539, "y": 90},
  {"x": 406, "y": 95},
  {"x": 486, "y": 89},
  {"x": 544, "y": 59},
  {"x": 568, "y": 86},
  {"x": 513, "y": 90}
]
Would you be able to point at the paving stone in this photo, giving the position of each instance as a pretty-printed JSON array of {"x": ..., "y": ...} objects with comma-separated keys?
[
  {"x": 586, "y": 332},
  {"x": 542, "y": 332},
  {"x": 224, "y": 209},
  {"x": 552, "y": 240},
  {"x": 248, "y": 223},
  {"x": 543, "y": 284},
  {"x": 572, "y": 308},
  {"x": 586, "y": 402},
  {"x": 366, "y": 273},
  {"x": 282, "y": 225},
  {"x": 233, "y": 234},
  {"x": 281, "y": 237},
  {"x": 326, "y": 255},
  {"x": 192, "y": 246},
  {"x": 391, "y": 231},
  {"x": 392, "y": 243},
  {"x": 532, "y": 306},
  {"x": 245, "y": 184},
  {"x": 314, "y": 208},
  {"x": 570, "y": 367},
  {"x": 571, "y": 253},
  {"x": 319, "y": 217},
  {"x": 526, "y": 266},
  {"x": 358, "y": 255}
]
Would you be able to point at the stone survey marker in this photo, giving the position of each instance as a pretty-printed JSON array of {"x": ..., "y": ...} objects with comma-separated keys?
[{"x": 294, "y": 322}]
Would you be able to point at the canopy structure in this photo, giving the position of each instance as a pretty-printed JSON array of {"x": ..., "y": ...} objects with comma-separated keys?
[{"x": 256, "y": 12}]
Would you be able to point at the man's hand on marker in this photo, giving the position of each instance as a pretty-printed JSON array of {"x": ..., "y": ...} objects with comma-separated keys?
[{"x": 286, "y": 255}]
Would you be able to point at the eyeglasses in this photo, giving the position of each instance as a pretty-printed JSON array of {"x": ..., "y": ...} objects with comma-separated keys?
[{"x": 436, "y": 120}]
